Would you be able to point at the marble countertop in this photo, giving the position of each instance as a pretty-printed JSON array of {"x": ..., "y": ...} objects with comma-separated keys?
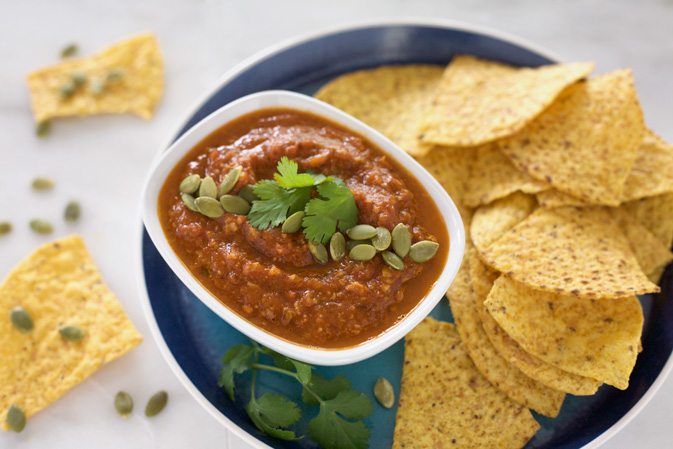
[{"x": 102, "y": 161}]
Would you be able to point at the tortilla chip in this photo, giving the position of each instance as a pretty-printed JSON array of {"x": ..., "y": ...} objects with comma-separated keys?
[
  {"x": 446, "y": 402},
  {"x": 58, "y": 285},
  {"x": 656, "y": 214},
  {"x": 586, "y": 142},
  {"x": 391, "y": 99},
  {"x": 572, "y": 251},
  {"x": 138, "y": 91},
  {"x": 480, "y": 101},
  {"x": 451, "y": 167},
  {"x": 591, "y": 338},
  {"x": 652, "y": 171},
  {"x": 491, "y": 222},
  {"x": 483, "y": 278},
  {"x": 493, "y": 176},
  {"x": 554, "y": 198},
  {"x": 508, "y": 379}
]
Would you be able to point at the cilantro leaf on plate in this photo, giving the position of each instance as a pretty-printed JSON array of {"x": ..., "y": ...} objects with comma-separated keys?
[
  {"x": 326, "y": 389},
  {"x": 288, "y": 176},
  {"x": 334, "y": 207},
  {"x": 331, "y": 431},
  {"x": 270, "y": 412},
  {"x": 237, "y": 360}
]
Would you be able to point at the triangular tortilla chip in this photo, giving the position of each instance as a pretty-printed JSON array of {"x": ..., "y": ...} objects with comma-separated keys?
[
  {"x": 586, "y": 142},
  {"x": 656, "y": 214},
  {"x": 451, "y": 167},
  {"x": 591, "y": 338},
  {"x": 652, "y": 171},
  {"x": 492, "y": 221}
]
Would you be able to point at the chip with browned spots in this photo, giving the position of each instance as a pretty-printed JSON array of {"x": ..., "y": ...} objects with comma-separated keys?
[
  {"x": 492, "y": 221},
  {"x": 652, "y": 172},
  {"x": 656, "y": 214},
  {"x": 451, "y": 167}
]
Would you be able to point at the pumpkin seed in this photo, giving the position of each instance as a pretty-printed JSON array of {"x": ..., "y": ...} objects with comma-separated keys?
[
  {"x": 78, "y": 77},
  {"x": 72, "y": 333},
  {"x": 353, "y": 243},
  {"x": 361, "y": 232},
  {"x": 229, "y": 181},
  {"x": 423, "y": 251},
  {"x": 72, "y": 211},
  {"x": 393, "y": 260},
  {"x": 319, "y": 251},
  {"x": 401, "y": 240},
  {"x": 21, "y": 320},
  {"x": 66, "y": 90},
  {"x": 189, "y": 202},
  {"x": 114, "y": 75},
  {"x": 337, "y": 246},
  {"x": 248, "y": 193},
  {"x": 5, "y": 227},
  {"x": 42, "y": 128},
  {"x": 381, "y": 241},
  {"x": 190, "y": 184},
  {"x": 209, "y": 207},
  {"x": 235, "y": 204},
  {"x": 41, "y": 226},
  {"x": 69, "y": 50},
  {"x": 42, "y": 183},
  {"x": 16, "y": 419},
  {"x": 208, "y": 188},
  {"x": 362, "y": 252},
  {"x": 123, "y": 404},
  {"x": 156, "y": 404},
  {"x": 384, "y": 392},
  {"x": 293, "y": 222},
  {"x": 96, "y": 87}
]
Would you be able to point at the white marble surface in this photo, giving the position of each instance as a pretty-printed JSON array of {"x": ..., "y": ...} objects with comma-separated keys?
[{"x": 102, "y": 161}]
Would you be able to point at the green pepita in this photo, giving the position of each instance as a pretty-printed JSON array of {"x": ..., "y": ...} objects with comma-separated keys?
[
  {"x": 381, "y": 241},
  {"x": 209, "y": 207},
  {"x": 5, "y": 227},
  {"x": 362, "y": 252},
  {"x": 229, "y": 181},
  {"x": 78, "y": 77},
  {"x": 96, "y": 87},
  {"x": 361, "y": 232},
  {"x": 318, "y": 251},
  {"x": 384, "y": 392},
  {"x": 114, "y": 75},
  {"x": 16, "y": 419},
  {"x": 248, "y": 193},
  {"x": 42, "y": 129},
  {"x": 42, "y": 183},
  {"x": 69, "y": 50},
  {"x": 21, "y": 320},
  {"x": 190, "y": 184},
  {"x": 393, "y": 260},
  {"x": 189, "y": 202},
  {"x": 401, "y": 240},
  {"x": 156, "y": 404},
  {"x": 423, "y": 251},
  {"x": 293, "y": 222},
  {"x": 124, "y": 404},
  {"x": 41, "y": 226},
  {"x": 208, "y": 188},
  {"x": 72, "y": 211},
  {"x": 337, "y": 246},
  {"x": 72, "y": 333},
  {"x": 235, "y": 204},
  {"x": 66, "y": 90}
]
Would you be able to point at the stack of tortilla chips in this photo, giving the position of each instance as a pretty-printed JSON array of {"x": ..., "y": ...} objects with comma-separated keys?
[{"x": 567, "y": 201}]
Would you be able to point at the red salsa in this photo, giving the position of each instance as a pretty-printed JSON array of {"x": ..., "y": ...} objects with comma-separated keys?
[{"x": 269, "y": 277}]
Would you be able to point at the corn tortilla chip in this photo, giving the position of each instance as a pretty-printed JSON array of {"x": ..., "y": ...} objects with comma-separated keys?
[
  {"x": 591, "y": 338},
  {"x": 446, "y": 402},
  {"x": 390, "y": 99},
  {"x": 493, "y": 176},
  {"x": 58, "y": 285},
  {"x": 652, "y": 171},
  {"x": 451, "y": 167},
  {"x": 555, "y": 198},
  {"x": 572, "y": 251},
  {"x": 492, "y": 221},
  {"x": 656, "y": 214},
  {"x": 137, "y": 90},
  {"x": 483, "y": 278},
  {"x": 586, "y": 142},
  {"x": 480, "y": 101}
]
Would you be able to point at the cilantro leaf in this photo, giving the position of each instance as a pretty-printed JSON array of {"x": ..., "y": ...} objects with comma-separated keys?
[
  {"x": 288, "y": 176},
  {"x": 326, "y": 389},
  {"x": 334, "y": 207},
  {"x": 303, "y": 370},
  {"x": 275, "y": 209},
  {"x": 238, "y": 360},
  {"x": 267, "y": 189},
  {"x": 331, "y": 431},
  {"x": 271, "y": 412}
]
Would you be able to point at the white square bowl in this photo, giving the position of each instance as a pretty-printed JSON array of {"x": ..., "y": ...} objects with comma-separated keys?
[{"x": 284, "y": 99}]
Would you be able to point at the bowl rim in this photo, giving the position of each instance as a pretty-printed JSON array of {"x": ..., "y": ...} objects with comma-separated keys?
[
  {"x": 296, "y": 101},
  {"x": 266, "y": 53}
]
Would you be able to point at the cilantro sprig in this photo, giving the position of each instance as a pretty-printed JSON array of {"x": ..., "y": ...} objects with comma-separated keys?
[
  {"x": 338, "y": 424},
  {"x": 290, "y": 191}
]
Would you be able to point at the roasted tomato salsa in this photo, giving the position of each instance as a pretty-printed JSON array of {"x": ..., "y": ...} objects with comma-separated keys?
[{"x": 269, "y": 277}]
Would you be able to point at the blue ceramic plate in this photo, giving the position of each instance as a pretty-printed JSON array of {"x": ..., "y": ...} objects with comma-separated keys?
[{"x": 194, "y": 339}]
